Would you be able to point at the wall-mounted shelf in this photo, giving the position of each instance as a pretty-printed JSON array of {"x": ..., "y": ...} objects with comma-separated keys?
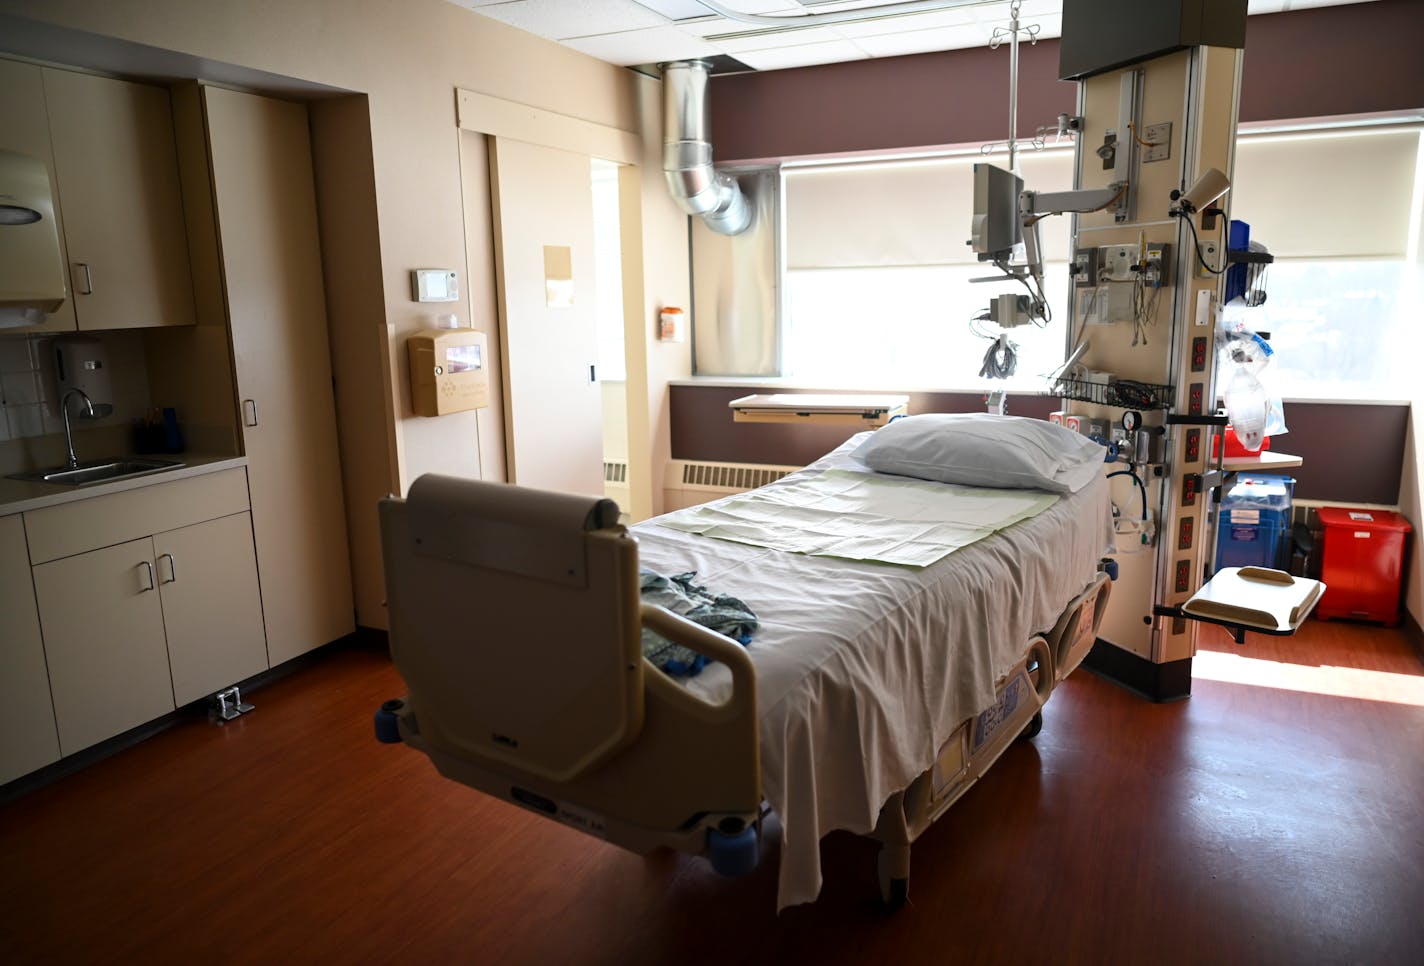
[
  {"x": 1128, "y": 393},
  {"x": 844, "y": 409}
]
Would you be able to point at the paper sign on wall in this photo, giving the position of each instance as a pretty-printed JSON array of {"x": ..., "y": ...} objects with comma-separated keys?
[{"x": 558, "y": 276}]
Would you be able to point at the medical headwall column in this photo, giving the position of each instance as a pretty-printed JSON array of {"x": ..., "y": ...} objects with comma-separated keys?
[{"x": 1158, "y": 102}]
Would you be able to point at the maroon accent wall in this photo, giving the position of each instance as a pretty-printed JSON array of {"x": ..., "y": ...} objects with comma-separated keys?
[
  {"x": 1352, "y": 453},
  {"x": 1356, "y": 59},
  {"x": 1361, "y": 58},
  {"x": 702, "y": 426},
  {"x": 921, "y": 100}
]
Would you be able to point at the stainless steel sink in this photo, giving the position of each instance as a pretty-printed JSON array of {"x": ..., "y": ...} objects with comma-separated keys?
[{"x": 98, "y": 471}]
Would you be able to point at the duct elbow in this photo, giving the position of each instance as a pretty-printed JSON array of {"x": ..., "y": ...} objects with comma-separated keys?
[{"x": 694, "y": 184}]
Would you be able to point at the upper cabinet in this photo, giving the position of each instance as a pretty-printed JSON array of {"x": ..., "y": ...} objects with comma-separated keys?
[
  {"x": 123, "y": 209},
  {"x": 24, "y": 129},
  {"x": 110, "y": 148}
]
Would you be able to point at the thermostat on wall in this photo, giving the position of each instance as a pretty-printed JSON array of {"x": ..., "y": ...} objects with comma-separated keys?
[{"x": 434, "y": 285}]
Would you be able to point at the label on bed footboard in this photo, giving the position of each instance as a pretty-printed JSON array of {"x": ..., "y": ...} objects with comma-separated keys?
[
  {"x": 582, "y": 820},
  {"x": 988, "y": 723}
]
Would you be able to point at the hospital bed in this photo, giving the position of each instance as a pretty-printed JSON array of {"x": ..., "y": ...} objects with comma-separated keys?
[{"x": 870, "y": 699}]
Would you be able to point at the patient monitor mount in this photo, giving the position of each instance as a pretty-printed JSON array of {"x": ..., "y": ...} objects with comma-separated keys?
[{"x": 1032, "y": 207}]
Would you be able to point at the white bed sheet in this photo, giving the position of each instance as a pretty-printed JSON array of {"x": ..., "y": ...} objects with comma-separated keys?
[{"x": 857, "y": 684}]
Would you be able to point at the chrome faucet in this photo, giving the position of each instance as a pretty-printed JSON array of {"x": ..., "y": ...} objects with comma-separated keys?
[{"x": 73, "y": 461}]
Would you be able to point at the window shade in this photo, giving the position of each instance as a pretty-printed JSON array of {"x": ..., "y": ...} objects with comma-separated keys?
[
  {"x": 902, "y": 213},
  {"x": 1333, "y": 196}
]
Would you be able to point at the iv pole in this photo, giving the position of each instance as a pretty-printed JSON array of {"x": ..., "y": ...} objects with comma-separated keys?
[{"x": 1012, "y": 33}]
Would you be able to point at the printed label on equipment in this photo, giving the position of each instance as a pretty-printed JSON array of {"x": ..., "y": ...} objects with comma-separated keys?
[
  {"x": 989, "y": 721},
  {"x": 582, "y": 820},
  {"x": 1363, "y": 517},
  {"x": 1245, "y": 516},
  {"x": 1362, "y": 534}
]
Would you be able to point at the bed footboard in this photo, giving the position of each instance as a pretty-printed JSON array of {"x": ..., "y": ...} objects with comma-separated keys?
[{"x": 516, "y": 622}]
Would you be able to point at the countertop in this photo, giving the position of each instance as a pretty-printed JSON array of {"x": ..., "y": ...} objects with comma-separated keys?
[{"x": 18, "y": 496}]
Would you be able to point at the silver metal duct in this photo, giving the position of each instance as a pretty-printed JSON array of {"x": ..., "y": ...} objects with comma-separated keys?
[{"x": 697, "y": 188}]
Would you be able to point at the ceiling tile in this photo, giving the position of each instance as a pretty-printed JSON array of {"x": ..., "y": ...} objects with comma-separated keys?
[
  {"x": 560, "y": 19},
  {"x": 648, "y": 46},
  {"x": 923, "y": 41},
  {"x": 900, "y": 25},
  {"x": 1303, "y": 4},
  {"x": 804, "y": 55},
  {"x": 791, "y": 38}
]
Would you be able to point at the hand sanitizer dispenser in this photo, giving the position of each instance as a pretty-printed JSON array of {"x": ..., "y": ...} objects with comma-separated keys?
[{"x": 83, "y": 363}]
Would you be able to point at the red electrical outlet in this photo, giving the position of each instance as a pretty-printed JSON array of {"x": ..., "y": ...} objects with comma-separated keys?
[
  {"x": 1189, "y": 489},
  {"x": 1194, "y": 399},
  {"x": 1199, "y": 353},
  {"x": 1184, "y": 576},
  {"x": 1184, "y": 534},
  {"x": 1193, "y": 445}
]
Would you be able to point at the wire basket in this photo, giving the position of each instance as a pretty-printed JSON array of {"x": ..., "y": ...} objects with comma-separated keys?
[{"x": 1127, "y": 393}]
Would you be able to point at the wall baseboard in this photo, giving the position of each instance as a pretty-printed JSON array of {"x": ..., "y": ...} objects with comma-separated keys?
[
  {"x": 1161, "y": 683},
  {"x": 363, "y": 638},
  {"x": 1414, "y": 632}
]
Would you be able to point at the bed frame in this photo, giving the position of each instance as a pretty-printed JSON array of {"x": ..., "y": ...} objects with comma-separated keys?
[{"x": 486, "y": 581}]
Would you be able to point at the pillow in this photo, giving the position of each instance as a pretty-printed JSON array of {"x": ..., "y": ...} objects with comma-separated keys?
[{"x": 981, "y": 449}]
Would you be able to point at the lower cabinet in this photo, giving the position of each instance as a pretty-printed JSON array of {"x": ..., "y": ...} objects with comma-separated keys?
[
  {"x": 27, "y": 737},
  {"x": 103, "y": 630},
  {"x": 142, "y": 624},
  {"x": 212, "y": 608}
]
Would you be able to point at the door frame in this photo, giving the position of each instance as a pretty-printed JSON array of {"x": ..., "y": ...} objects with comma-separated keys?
[{"x": 494, "y": 116}]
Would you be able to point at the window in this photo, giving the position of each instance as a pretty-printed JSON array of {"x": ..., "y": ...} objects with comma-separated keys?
[
  {"x": 879, "y": 290},
  {"x": 1339, "y": 210}
]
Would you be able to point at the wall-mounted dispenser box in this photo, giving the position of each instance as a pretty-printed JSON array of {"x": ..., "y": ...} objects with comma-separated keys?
[
  {"x": 82, "y": 362},
  {"x": 448, "y": 371}
]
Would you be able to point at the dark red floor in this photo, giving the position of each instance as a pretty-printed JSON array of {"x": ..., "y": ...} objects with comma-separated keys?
[{"x": 1249, "y": 824}]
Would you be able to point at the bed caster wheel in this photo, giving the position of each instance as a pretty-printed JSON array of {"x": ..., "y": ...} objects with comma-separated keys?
[
  {"x": 732, "y": 848},
  {"x": 387, "y": 726},
  {"x": 1032, "y": 729},
  {"x": 892, "y": 866}
]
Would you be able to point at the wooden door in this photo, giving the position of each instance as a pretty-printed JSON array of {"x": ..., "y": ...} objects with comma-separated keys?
[
  {"x": 271, "y": 263},
  {"x": 544, "y": 238},
  {"x": 103, "y": 634},
  {"x": 212, "y": 611},
  {"x": 28, "y": 739},
  {"x": 123, "y": 207}
]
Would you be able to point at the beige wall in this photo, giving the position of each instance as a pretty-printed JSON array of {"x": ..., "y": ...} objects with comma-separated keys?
[
  {"x": 409, "y": 58},
  {"x": 1411, "y": 504}
]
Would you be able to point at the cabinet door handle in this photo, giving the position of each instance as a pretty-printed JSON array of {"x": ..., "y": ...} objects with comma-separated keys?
[
  {"x": 172, "y": 569},
  {"x": 149, "y": 567},
  {"x": 249, "y": 412},
  {"x": 86, "y": 287}
]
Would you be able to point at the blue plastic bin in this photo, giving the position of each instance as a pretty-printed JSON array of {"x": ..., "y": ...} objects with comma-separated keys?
[{"x": 1254, "y": 522}]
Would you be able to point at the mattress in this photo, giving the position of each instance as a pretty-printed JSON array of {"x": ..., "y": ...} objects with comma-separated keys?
[{"x": 864, "y": 670}]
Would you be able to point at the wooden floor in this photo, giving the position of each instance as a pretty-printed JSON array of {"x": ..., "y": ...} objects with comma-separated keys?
[{"x": 1249, "y": 824}]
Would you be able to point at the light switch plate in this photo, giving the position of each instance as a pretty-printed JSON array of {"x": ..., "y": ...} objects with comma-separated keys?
[{"x": 434, "y": 285}]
